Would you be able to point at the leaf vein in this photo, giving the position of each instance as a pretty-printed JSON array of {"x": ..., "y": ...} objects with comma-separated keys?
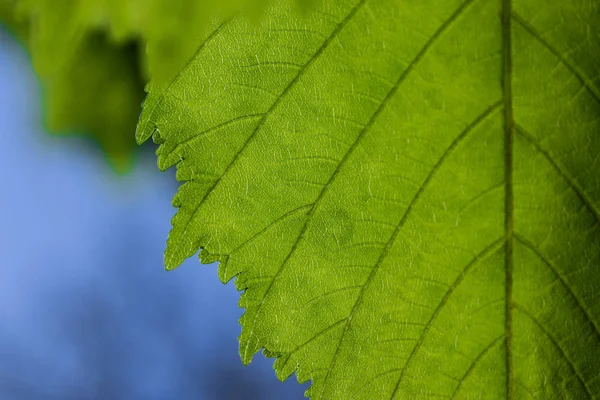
[
  {"x": 143, "y": 133},
  {"x": 266, "y": 228},
  {"x": 325, "y": 295},
  {"x": 371, "y": 380},
  {"x": 585, "y": 81},
  {"x": 362, "y": 134},
  {"x": 557, "y": 345},
  {"x": 213, "y": 129},
  {"x": 474, "y": 363},
  {"x": 311, "y": 339},
  {"x": 475, "y": 261},
  {"x": 284, "y": 93},
  {"x": 568, "y": 178},
  {"x": 483, "y": 116},
  {"x": 580, "y": 304}
]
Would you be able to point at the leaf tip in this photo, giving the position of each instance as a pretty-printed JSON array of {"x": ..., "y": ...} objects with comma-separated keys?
[
  {"x": 143, "y": 131},
  {"x": 169, "y": 268},
  {"x": 172, "y": 259}
]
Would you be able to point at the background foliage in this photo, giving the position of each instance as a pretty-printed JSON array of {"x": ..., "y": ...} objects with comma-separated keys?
[{"x": 95, "y": 56}]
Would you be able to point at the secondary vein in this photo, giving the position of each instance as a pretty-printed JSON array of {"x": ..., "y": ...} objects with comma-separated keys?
[{"x": 339, "y": 27}]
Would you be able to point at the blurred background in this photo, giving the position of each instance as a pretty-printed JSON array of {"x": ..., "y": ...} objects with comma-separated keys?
[{"x": 86, "y": 308}]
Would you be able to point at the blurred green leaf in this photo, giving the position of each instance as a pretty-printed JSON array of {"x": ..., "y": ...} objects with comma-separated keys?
[
  {"x": 169, "y": 29},
  {"x": 92, "y": 83},
  {"x": 8, "y": 18},
  {"x": 99, "y": 96},
  {"x": 94, "y": 56}
]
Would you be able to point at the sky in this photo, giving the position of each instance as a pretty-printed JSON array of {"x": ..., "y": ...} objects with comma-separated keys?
[{"x": 87, "y": 310}]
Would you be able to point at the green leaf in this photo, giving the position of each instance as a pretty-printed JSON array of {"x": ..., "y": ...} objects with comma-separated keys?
[
  {"x": 8, "y": 18},
  {"x": 85, "y": 54},
  {"x": 99, "y": 95},
  {"x": 407, "y": 192},
  {"x": 170, "y": 29},
  {"x": 92, "y": 84}
]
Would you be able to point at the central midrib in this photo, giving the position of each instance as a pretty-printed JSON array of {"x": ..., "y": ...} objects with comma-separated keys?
[{"x": 508, "y": 182}]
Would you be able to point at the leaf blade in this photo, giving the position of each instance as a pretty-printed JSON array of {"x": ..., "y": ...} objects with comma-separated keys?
[{"x": 352, "y": 212}]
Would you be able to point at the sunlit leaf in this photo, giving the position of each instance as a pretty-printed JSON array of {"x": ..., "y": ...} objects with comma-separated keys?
[{"x": 407, "y": 192}]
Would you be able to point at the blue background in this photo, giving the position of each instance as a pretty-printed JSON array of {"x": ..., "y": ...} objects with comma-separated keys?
[{"x": 86, "y": 308}]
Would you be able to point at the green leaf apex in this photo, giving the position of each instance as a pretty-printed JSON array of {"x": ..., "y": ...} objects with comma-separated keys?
[
  {"x": 175, "y": 253},
  {"x": 142, "y": 133},
  {"x": 145, "y": 129}
]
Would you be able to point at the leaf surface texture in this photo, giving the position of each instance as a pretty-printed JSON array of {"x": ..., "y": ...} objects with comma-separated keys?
[{"x": 407, "y": 192}]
